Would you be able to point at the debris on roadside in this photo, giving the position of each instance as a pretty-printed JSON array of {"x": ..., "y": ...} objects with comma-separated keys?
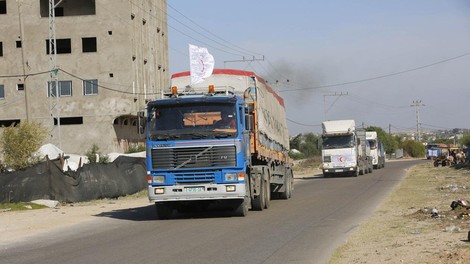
[
  {"x": 453, "y": 187},
  {"x": 460, "y": 203},
  {"x": 452, "y": 229}
]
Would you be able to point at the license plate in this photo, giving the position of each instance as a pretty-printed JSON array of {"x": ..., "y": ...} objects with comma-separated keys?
[
  {"x": 338, "y": 170},
  {"x": 194, "y": 189}
]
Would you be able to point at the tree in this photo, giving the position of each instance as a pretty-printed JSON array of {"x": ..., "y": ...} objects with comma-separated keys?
[
  {"x": 390, "y": 142},
  {"x": 295, "y": 142},
  {"x": 20, "y": 143},
  {"x": 465, "y": 140},
  {"x": 94, "y": 155},
  {"x": 307, "y": 144},
  {"x": 414, "y": 148}
]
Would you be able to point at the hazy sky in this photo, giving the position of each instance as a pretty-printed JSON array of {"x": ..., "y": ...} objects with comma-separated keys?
[{"x": 380, "y": 55}]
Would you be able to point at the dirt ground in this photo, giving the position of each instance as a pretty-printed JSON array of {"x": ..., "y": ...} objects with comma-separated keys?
[
  {"x": 416, "y": 224},
  {"x": 402, "y": 230},
  {"x": 17, "y": 226}
]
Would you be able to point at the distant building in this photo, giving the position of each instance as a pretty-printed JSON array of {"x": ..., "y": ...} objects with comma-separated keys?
[{"x": 112, "y": 57}]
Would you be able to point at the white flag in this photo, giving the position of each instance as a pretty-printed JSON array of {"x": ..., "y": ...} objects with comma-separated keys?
[{"x": 201, "y": 64}]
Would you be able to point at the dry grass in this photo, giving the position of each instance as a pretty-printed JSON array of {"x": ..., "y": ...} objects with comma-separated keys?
[
  {"x": 306, "y": 166},
  {"x": 404, "y": 229}
]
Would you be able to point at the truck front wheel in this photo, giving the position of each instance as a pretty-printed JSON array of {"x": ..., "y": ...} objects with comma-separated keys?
[{"x": 258, "y": 202}]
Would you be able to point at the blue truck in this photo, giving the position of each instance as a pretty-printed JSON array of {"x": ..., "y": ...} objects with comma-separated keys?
[{"x": 197, "y": 159}]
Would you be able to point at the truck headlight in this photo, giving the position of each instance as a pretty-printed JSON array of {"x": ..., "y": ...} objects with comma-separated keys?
[
  {"x": 158, "y": 179},
  {"x": 231, "y": 177},
  {"x": 230, "y": 188},
  {"x": 159, "y": 191}
]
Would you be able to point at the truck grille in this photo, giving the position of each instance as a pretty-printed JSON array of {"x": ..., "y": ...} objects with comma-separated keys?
[
  {"x": 194, "y": 177},
  {"x": 196, "y": 157}
]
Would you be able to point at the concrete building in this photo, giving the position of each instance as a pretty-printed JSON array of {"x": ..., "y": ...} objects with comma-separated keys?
[{"x": 112, "y": 57}]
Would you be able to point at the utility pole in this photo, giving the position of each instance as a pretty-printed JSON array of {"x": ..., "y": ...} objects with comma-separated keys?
[
  {"x": 54, "y": 107},
  {"x": 417, "y": 104},
  {"x": 23, "y": 44},
  {"x": 244, "y": 60},
  {"x": 338, "y": 94}
]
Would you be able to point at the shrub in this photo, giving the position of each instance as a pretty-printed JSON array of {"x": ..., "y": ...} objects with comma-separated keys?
[
  {"x": 20, "y": 143},
  {"x": 414, "y": 148},
  {"x": 95, "y": 151},
  {"x": 134, "y": 148}
]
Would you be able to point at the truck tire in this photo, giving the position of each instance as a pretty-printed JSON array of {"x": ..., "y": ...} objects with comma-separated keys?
[
  {"x": 164, "y": 211},
  {"x": 258, "y": 201},
  {"x": 286, "y": 194},
  {"x": 267, "y": 190}
]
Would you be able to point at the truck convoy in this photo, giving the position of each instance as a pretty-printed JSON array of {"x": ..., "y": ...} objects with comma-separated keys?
[
  {"x": 377, "y": 151},
  {"x": 222, "y": 143},
  {"x": 344, "y": 149}
]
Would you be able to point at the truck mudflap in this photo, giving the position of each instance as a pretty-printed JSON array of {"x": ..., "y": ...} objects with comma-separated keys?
[{"x": 197, "y": 192}]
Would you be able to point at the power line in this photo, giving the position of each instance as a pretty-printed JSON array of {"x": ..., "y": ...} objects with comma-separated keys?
[
  {"x": 24, "y": 75},
  {"x": 187, "y": 35},
  {"x": 240, "y": 50},
  {"x": 192, "y": 21},
  {"x": 104, "y": 87},
  {"x": 295, "y": 122},
  {"x": 381, "y": 76}
]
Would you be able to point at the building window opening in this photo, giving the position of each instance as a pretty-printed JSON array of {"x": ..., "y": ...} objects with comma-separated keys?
[
  {"x": 8, "y": 123},
  {"x": 1, "y": 49},
  {"x": 69, "y": 120},
  {"x": 18, "y": 44},
  {"x": 3, "y": 7},
  {"x": 59, "y": 11},
  {"x": 90, "y": 87},
  {"x": 2, "y": 91},
  {"x": 20, "y": 87},
  {"x": 89, "y": 45},
  {"x": 63, "y": 46},
  {"x": 65, "y": 88},
  {"x": 69, "y": 8}
]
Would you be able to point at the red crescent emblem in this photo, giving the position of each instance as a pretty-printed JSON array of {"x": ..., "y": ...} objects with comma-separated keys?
[{"x": 341, "y": 159}]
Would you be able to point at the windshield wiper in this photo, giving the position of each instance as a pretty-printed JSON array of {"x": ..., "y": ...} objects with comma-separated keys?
[
  {"x": 197, "y": 135},
  {"x": 164, "y": 137},
  {"x": 223, "y": 134}
]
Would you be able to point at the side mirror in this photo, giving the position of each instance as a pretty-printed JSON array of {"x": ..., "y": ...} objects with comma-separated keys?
[{"x": 140, "y": 122}]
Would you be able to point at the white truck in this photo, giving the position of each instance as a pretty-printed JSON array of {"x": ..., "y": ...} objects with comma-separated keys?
[
  {"x": 376, "y": 150},
  {"x": 343, "y": 152}
]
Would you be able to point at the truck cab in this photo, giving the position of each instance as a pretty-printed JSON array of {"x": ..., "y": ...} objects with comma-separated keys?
[{"x": 193, "y": 153}]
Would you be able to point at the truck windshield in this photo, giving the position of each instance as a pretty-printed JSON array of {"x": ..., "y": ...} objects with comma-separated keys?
[
  {"x": 332, "y": 142},
  {"x": 192, "y": 121},
  {"x": 372, "y": 143}
]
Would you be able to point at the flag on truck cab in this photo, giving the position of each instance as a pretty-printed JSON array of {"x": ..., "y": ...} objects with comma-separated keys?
[{"x": 201, "y": 64}]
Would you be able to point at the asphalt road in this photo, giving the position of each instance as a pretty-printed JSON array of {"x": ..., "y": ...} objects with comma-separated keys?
[{"x": 305, "y": 229}]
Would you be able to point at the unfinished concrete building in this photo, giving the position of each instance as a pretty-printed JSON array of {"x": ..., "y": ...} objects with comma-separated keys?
[{"x": 110, "y": 56}]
